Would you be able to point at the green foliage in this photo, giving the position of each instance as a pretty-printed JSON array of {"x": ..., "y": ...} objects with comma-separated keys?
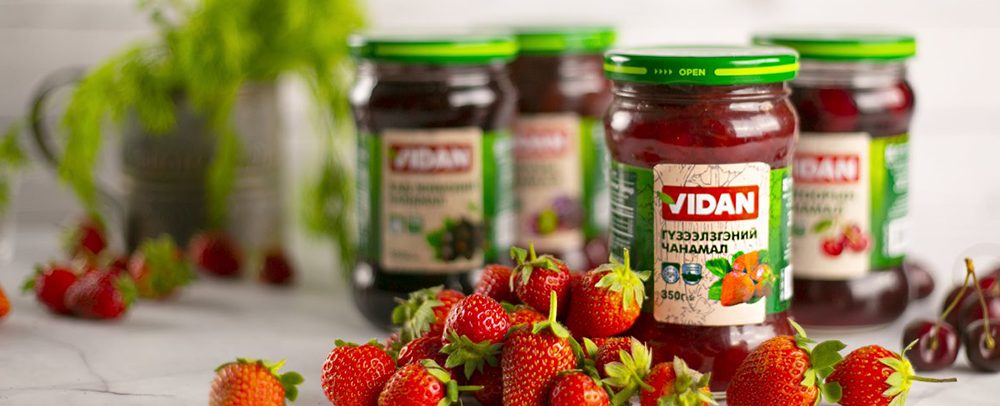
[
  {"x": 204, "y": 54},
  {"x": 12, "y": 159}
]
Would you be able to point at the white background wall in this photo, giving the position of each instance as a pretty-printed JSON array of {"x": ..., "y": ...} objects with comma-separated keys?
[{"x": 956, "y": 183}]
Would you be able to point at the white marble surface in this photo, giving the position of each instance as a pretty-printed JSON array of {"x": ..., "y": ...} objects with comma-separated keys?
[{"x": 164, "y": 353}]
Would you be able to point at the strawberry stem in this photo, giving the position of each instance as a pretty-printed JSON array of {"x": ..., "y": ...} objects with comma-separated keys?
[
  {"x": 531, "y": 251},
  {"x": 990, "y": 342},
  {"x": 628, "y": 266}
]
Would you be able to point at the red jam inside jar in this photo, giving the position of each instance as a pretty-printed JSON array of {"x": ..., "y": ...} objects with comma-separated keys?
[
  {"x": 851, "y": 177},
  {"x": 435, "y": 172},
  {"x": 560, "y": 158},
  {"x": 701, "y": 143}
]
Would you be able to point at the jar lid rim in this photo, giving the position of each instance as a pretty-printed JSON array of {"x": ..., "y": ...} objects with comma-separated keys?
[
  {"x": 560, "y": 39},
  {"x": 835, "y": 45},
  {"x": 702, "y": 64},
  {"x": 434, "y": 47}
]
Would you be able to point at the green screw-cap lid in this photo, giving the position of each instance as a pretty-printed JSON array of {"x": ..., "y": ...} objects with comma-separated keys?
[
  {"x": 844, "y": 46},
  {"x": 702, "y": 65},
  {"x": 570, "y": 39},
  {"x": 438, "y": 48}
]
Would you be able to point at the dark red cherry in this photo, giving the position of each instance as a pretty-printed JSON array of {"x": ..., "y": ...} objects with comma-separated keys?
[
  {"x": 974, "y": 311},
  {"x": 938, "y": 346},
  {"x": 969, "y": 298},
  {"x": 921, "y": 280},
  {"x": 978, "y": 349}
]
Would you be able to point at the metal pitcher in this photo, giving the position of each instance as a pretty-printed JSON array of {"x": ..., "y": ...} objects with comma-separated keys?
[{"x": 164, "y": 176}]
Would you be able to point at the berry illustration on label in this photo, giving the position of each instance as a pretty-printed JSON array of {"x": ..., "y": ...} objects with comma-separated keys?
[
  {"x": 564, "y": 213},
  {"x": 456, "y": 239},
  {"x": 746, "y": 279},
  {"x": 841, "y": 239}
]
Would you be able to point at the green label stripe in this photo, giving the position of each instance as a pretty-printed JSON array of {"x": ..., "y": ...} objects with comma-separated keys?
[
  {"x": 593, "y": 158},
  {"x": 761, "y": 70},
  {"x": 889, "y": 198},
  {"x": 498, "y": 201},
  {"x": 779, "y": 237}
]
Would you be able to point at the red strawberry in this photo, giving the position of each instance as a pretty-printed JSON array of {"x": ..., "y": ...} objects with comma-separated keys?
[
  {"x": 101, "y": 295},
  {"x": 473, "y": 331},
  {"x": 50, "y": 285},
  {"x": 533, "y": 357},
  {"x": 534, "y": 277},
  {"x": 791, "y": 370},
  {"x": 521, "y": 314},
  {"x": 491, "y": 382},
  {"x": 216, "y": 254},
  {"x": 86, "y": 239},
  {"x": 577, "y": 389},
  {"x": 422, "y": 383},
  {"x": 355, "y": 375},
  {"x": 424, "y": 313},
  {"x": 426, "y": 347},
  {"x": 4, "y": 304},
  {"x": 495, "y": 283},
  {"x": 610, "y": 351},
  {"x": 276, "y": 269},
  {"x": 253, "y": 382},
  {"x": 673, "y": 383},
  {"x": 875, "y": 376},
  {"x": 607, "y": 300},
  {"x": 159, "y": 268}
]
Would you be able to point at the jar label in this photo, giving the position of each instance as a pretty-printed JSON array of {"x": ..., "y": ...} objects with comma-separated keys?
[
  {"x": 431, "y": 201},
  {"x": 596, "y": 196},
  {"x": 716, "y": 237},
  {"x": 850, "y": 204}
]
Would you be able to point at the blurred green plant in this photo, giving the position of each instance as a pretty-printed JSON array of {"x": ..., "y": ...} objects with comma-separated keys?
[
  {"x": 204, "y": 53},
  {"x": 12, "y": 159}
]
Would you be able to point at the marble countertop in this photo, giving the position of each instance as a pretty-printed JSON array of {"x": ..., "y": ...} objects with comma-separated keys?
[{"x": 165, "y": 353}]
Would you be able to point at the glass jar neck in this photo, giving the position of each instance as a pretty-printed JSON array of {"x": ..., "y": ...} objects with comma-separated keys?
[
  {"x": 854, "y": 74},
  {"x": 699, "y": 93}
]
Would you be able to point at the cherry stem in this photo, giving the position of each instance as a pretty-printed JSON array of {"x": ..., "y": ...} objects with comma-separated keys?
[
  {"x": 990, "y": 342},
  {"x": 933, "y": 380},
  {"x": 969, "y": 274}
]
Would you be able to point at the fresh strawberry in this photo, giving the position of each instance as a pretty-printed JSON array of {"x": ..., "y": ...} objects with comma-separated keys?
[
  {"x": 424, "y": 313},
  {"x": 473, "y": 333},
  {"x": 610, "y": 351},
  {"x": 577, "y": 389},
  {"x": 426, "y": 347},
  {"x": 86, "y": 239},
  {"x": 253, "y": 382},
  {"x": 533, "y": 356},
  {"x": 159, "y": 268},
  {"x": 495, "y": 283},
  {"x": 4, "y": 304},
  {"x": 673, "y": 383},
  {"x": 534, "y": 277},
  {"x": 276, "y": 269},
  {"x": 422, "y": 383},
  {"x": 875, "y": 376},
  {"x": 216, "y": 253},
  {"x": 100, "y": 294},
  {"x": 490, "y": 379},
  {"x": 786, "y": 371},
  {"x": 50, "y": 285},
  {"x": 355, "y": 375},
  {"x": 607, "y": 300},
  {"x": 521, "y": 314}
]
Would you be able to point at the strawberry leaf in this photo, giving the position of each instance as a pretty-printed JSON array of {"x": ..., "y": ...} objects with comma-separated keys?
[
  {"x": 665, "y": 198},
  {"x": 719, "y": 266},
  {"x": 832, "y": 392},
  {"x": 715, "y": 291},
  {"x": 822, "y": 226},
  {"x": 826, "y": 354}
]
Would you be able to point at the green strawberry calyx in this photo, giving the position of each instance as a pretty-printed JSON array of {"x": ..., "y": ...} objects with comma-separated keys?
[
  {"x": 527, "y": 261},
  {"x": 415, "y": 315},
  {"x": 452, "y": 388},
  {"x": 289, "y": 380},
  {"x": 619, "y": 277},
  {"x": 823, "y": 357},
  {"x": 551, "y": 323},
  {"x": 689, "y": 387},
  {"x": 903, "y": 376},
  {"x": 628, "y": 375},
  {"x": 168, "y": 269},
  {"x": 472, "y": 356}
]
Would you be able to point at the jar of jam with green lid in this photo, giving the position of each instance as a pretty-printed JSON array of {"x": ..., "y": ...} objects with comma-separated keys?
[
  {"x": 435, "y": 168},
  {"x": 851, "y": 177},
  {"x": 560, "y": 158},
  {"x": 701, "y": 142}
]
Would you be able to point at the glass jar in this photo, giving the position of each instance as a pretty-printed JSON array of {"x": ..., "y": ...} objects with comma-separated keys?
[
  {"x": 435, "y": 170},
  {"x": 559, "y": 152},
  {"x": 701, "y": 143},
  {"x": 851, "y": 177}
]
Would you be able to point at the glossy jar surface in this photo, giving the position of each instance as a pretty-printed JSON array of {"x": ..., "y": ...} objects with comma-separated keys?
[
  {"x": 851, "y": 176},
  {"x": 710, "y": 133},
  {"x": 564, "y": 199},
  {"x": 431, "y": 108},
  {"x": 874, "y": 99}
]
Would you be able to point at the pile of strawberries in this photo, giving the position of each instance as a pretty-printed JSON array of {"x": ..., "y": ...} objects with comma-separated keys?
[
  {"x": 96, "y": 284},
  {"x": 506, "y": 345}
]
